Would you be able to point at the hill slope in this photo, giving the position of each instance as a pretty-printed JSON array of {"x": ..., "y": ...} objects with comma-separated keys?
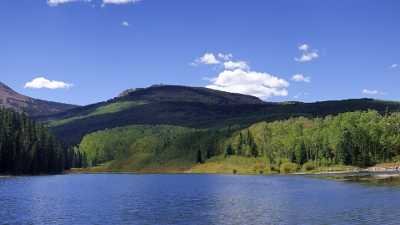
[
  {"x": 193, "y": 107},
  {"x": 12, "y": 100},
  {"x": 352, "y": 139}
]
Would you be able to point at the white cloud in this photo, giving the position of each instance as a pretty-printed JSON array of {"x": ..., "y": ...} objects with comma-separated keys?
[
  {"x": 304, "y": 47},
  {"x": 230, "y": 65},
  {"x": 307, "y": 55},
  {"x": 225, "y": 57},
  {"x": 104, "y": 2},
  {"x": 125, "y": 23},
  {"x": 237, "y": 77},
  {"x": 120, "y": 2},
  {"x": 394, "y": 66},
  {"x": 207, "y": 59},
  {"x": 41, "y": 82},
  {"x": 60, "y": 2},
  {"x": 372, "y": 92},
  {"x": 301, "y": 78},
  {"x": 262, "y": 85}
]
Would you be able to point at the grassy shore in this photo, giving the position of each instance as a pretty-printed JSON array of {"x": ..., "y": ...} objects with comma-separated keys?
[{"x": 216, "y": 165}]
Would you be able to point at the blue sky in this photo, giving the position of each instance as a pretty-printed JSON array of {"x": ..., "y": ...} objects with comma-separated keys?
[{"x": 306, "y": 50}]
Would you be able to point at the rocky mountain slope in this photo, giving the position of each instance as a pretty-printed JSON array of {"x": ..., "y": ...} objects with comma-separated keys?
[{"x": 33, "y": 107}]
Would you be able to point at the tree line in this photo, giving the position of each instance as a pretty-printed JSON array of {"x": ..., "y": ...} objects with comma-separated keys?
[
  {"x": 361, "y": 138},
  {"x": 27, "y": 147},
  {"x": 354, "y": 138}
]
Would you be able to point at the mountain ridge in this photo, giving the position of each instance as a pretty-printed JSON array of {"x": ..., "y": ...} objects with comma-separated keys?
[
  {"x": 193, "y": 107},
  {"x": 11, "y": 99}
]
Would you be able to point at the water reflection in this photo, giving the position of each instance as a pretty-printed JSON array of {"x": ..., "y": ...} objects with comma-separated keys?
[{"x": 193, "y": 200}]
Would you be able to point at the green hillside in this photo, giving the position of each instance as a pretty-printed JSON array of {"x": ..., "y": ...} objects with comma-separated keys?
[
  {"x": 357, "y": 138},
  {"x": 349, "y": 139},
  {"x": 144, "y": 147},
  {"x": 193, "y": 107}
]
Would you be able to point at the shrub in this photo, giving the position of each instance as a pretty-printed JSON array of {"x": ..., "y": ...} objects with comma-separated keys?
[
  {"x": 275, "y": 168},
  {"x": 288, "y": 167},
  {"x": 308, "y": 166},
  {"x": 396, "y": 159}
]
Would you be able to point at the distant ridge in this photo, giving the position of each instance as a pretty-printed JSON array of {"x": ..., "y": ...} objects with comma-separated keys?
[
  {"x": 195, "y": 107},
  {"x": 33, "y": 107},
  {"x": 177, "y": 93}
]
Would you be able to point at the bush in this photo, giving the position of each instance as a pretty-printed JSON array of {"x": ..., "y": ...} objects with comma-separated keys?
[
  {"x": 275, "y": 168},
  {"x": 396, "y": 159},
  {"x": 288, "y": 167},
  {"x": 308, "y": 166}
]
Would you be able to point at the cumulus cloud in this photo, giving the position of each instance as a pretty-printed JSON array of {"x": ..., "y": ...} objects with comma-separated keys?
[
  {"x": 41, "y": 82},
  {"x": 120, "y": 2},
  {"x": 125, "y": 23},
  {"x": 301, "y": 78},
  {"x": 231, "y": 65},
  {"x": 237, "y": 77},
  {"x": 220, "y": 58},
  {"x": 225, "y": 57},
  {"x": 262, "y": 85},
  {"x": 60, "y": 2},
  {"x": 372, "y": 92},
  {"x": 104, "y": 2},
  {"x": 304, "y": 47},
  {"x": 207, "y": 59},
  {"x": 307, "y": 55}
]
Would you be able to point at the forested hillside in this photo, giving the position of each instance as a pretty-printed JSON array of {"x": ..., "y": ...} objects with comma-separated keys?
[
  {"x": 355, "y": 139},
  {"x": 28, "y": 148},
  {"x": 193, "y": 107},
  {"x": 137, "y": 147}
]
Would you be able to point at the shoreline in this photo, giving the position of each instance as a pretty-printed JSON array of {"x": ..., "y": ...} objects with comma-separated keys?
[
  {"x": 360, "y": 175},
  {"x": 354, "y": 173}
]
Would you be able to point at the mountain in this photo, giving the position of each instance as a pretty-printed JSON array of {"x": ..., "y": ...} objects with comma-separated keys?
[
  {"x": 174, "y": 93},
  {"x": 193, "y": 107},
  {"x": 33, "y": 107}
]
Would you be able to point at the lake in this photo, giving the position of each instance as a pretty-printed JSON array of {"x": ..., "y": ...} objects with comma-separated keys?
[{"x": 194, "y": 200}]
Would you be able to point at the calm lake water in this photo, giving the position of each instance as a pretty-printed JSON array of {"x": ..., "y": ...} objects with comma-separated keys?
[{"x": 194, "y": 200}]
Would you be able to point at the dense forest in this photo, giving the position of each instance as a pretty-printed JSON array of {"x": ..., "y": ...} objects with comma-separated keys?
[
  {"x": 27, "y": 147},
  {"x": 138, "y": 146},
  {"x": 356, "y": 139}
]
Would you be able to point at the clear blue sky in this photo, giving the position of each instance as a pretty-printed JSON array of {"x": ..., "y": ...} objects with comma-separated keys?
[{"x": 354, "y": 47}]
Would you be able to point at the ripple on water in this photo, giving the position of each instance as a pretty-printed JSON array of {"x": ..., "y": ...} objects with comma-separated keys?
[{"x": 193, "y": 200}]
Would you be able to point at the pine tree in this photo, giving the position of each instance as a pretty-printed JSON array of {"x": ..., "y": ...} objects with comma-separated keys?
[{"x": 28, "y": 148}]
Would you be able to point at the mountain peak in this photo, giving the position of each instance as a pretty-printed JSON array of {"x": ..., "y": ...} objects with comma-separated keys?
[
  {"x": 11, "y": 99},
  {"x": 177, "y": 93},
  {"x": 5, "y": 88}
]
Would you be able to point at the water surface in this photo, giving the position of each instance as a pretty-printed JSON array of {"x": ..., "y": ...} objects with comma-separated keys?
[{"x": 194, "y": 200}]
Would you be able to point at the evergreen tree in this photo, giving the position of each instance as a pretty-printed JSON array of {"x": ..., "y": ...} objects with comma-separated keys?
[
  {"x": 27, "y": 147},
  {"x": 199, "y": 157}
]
